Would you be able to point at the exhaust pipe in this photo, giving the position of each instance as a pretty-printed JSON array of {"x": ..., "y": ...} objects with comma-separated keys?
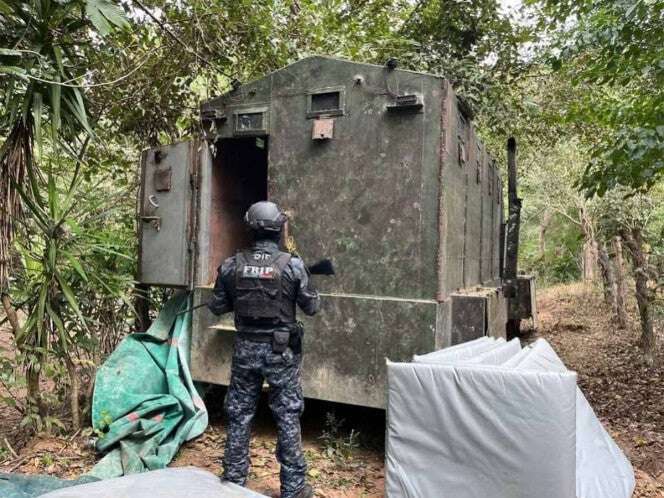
[
  {"x": 510, "y": 286},
  {"x": 513, "y": 220}
]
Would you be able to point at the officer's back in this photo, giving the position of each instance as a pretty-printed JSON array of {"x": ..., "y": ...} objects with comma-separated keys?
[{"x": 263, "y": 285}]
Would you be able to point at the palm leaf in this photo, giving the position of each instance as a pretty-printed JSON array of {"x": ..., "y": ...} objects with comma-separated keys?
[
  {"x": 57, "y": 52},
  {"x": 71, "y": 299},
  {"x": 40, "y": 216},
  {"x": 52, "y": 196},
  {"x": 16, "y": 71},
  {"x": 105, "y": 14},
  {"x": 60, "y": 326},
  {"x": 121, "y": 295},
  {"x": 43, "y": 292},
  {"x": 27, "y": 328},
  {"x": 76, "y": 106},
  {"x": 37, "y": 109},
  {"x": 56, "y": 99},
  {"x": 5, "y": 9},
  {"x": 76, "y": 265}
]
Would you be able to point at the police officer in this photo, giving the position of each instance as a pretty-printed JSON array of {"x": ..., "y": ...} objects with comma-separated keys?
[{"x": 262, "y": 286}]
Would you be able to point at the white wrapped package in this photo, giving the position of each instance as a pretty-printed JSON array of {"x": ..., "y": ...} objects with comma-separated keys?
[
  {"x": 497, "y": 355},
  {"x": 602, "y": 470},
  {"x": 517, "y": 358},
  {"x": 459, "y": 352},
  {"x": 164, "y": 483},
  {"x": 478, "y": 432}
]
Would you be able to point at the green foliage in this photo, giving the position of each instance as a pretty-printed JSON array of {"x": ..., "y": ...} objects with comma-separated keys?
[
  {"x": 614, "y": 50},
  {"x": 48, "y": 40},
  {"x": 11, "y": 382},
  {"x": 336, "y": 444},
  {"x": 560, "y": 260},
  {"x": 91, "y": 86},
  {"x": 75, "y": 279},
  {"x": 471, "y": 43},
  {"x": 105, "y": 14},
  {"x": 43, "y": 45}
]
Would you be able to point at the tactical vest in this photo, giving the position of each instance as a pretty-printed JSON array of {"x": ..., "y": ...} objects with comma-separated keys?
[{"x": 260, "y": 299}]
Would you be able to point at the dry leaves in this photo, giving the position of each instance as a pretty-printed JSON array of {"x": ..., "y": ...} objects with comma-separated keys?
[{"x": 627, "y": 396}]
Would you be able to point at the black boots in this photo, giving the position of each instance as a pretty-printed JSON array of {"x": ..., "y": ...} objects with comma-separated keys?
[{"x": 305, "y": 492}]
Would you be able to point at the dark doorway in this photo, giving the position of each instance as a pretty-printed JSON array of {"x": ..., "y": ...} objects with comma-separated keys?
[{"x": 239, "y": 178}]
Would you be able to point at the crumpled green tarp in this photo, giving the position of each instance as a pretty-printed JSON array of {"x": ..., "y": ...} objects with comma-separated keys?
[
  {"x": 30, "y": 486},
  {"x": 145, "y": 402}
]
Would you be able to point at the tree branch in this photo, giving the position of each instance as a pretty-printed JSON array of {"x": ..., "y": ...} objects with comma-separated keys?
[
  {"x": 563, "y": 213},
  {"x": 178, "y": 40}
]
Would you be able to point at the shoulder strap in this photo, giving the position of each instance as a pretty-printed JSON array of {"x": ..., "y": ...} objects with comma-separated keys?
[
  {"x": 241, "y": 258},
  {"x": 281, "y": 260}
]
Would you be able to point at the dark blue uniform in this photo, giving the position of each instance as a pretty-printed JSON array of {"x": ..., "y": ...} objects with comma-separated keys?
[{"x": 254, "y": 360}]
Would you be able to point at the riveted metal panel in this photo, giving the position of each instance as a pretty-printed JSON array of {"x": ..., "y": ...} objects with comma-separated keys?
[
  {"x": 488, "y": 212},
  {"x": 454, "y": 196},
  {"x": 473, "y": 244},
  {"x": 388, "y": 197},
  {"x": 166, "y": 214},
  {"x": 468, "y": 317},
  {"x": 345, "y": 345}
]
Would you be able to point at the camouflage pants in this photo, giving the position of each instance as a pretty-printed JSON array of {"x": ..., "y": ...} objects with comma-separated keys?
[{"x": 253, "y": 362}]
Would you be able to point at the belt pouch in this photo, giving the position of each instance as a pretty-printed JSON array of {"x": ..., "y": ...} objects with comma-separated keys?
[{"x": 280, "y": 341}]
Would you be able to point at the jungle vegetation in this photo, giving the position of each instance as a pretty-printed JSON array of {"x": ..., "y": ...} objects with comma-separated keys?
[{"x": 85, "y": 85}]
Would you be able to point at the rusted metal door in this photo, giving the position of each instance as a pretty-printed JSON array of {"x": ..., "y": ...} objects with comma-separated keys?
[{"x": 167, "y": 214}]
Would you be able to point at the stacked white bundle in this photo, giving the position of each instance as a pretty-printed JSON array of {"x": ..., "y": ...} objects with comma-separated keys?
[{"x": 488, "y": 419}]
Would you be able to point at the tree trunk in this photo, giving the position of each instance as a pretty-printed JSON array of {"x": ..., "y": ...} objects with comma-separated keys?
[
  {"x": 543, "y": 227},
  {"x": 12, "y": 316},
  {"x": 589, "y": 247},
  {"x": 644, "y": 297},
  {"x": 590, "y": 260},
  {"x": 619, "y": 278},
  {"x": 32, "y": 377},
  {"x": 74, "y": 392},
  {"x": 32, "y": 374},
  {"x": 608, "y": 279}
]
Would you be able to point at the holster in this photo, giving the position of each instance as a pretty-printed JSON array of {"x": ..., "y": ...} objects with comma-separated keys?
[
  {"x": 280, "y": 341},
  {"x": 296, "y": 335}
]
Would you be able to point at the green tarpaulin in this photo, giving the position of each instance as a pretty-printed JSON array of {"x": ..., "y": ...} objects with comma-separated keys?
[
  {"x": 24, "y": 486},
  {"x": 145, "y": 405},
  {"x": 145, "y": 401}
]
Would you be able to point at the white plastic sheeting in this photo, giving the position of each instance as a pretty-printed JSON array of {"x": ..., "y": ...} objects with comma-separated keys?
[
  {"x": 488, "y": 419},
  {"x": 602, "y": 470},
  {"x": 497, "y": 355},
  {"x": 459, "y": 352},
  {"x": 165, "y": 483}
]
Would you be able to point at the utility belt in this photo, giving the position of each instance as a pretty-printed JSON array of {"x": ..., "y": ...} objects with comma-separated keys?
[{"x": 280, "y": 339}]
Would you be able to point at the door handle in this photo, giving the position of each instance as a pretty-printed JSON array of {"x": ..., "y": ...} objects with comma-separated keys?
[
  {"x": 155, "y": 221},
  {"x": 152, "y": 206}
]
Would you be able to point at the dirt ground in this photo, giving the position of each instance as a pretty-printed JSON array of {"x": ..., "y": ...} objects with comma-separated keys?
[{"x": 627, "y": 396}]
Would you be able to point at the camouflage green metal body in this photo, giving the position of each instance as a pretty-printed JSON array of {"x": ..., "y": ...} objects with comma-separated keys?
[{"x": 403, "y": 198}]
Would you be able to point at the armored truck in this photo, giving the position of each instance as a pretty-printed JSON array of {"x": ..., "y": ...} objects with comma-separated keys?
[{"x": 379, "y": 169}]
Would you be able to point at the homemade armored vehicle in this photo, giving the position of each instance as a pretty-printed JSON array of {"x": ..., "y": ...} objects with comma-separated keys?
[{"x": 380, "y": 170}]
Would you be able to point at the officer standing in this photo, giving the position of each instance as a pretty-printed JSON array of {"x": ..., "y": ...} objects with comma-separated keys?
[{"x": 263, "y": 285}]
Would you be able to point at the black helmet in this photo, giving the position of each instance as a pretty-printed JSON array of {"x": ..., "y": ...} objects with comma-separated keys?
[{"x": 265, "y": 215}]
